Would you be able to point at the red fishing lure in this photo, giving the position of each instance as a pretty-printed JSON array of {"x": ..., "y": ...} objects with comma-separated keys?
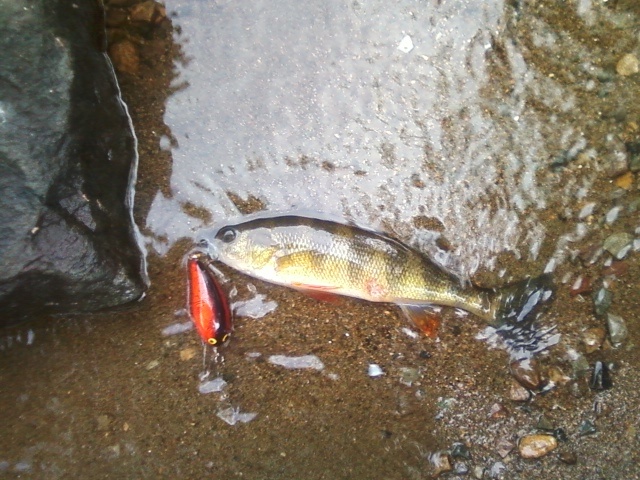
[{"x": 208, "y": 305}]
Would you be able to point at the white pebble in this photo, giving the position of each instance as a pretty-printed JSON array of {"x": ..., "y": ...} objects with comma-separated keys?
[
  {"x": 409, "y": 333},
  {"x": 304, "y": 361},
  {"x": 211, "y": 386},
  {"x": 177, "y": 328},
  {"x": 232, "y": 416},
  {"x": 406, "y": 44}
]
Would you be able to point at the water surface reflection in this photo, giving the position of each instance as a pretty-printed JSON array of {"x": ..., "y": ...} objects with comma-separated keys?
[{"x": 314, "y": 107}]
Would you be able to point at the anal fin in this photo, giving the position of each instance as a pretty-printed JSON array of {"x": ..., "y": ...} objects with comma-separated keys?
[
  {"x": 427, "y": 321},
  {"x": 323, "y": 294}
]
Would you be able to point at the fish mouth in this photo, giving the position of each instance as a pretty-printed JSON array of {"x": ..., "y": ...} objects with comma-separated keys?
[{"x": 205, "y": 248}]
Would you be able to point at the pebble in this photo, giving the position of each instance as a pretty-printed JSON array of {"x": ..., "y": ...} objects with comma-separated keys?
[
  {"x": 544, "y": 424},
  {"x": 526, "y": 372},
  {"x": 518, "y": 393},
  {"x": 152, "y": 364},
  {"x": 441, "y": 463},
  {"x": 568, "y": 457},
  {"x": 187, "y": 354},
  {"x": 148, "y": 12},
  {"x": 593, "y": 338},
  {"x": 211, "y": 386},
  {"x": 124, "y": 56},
  {"x": 233, "y": 415},
  {"x": 616, "y": 268},
  {"x": 612, "y": 215},
  {"x": 602, "y": 301},
  {"x": 578, "y": 388},
  {"x": 536, "y": 446},
  {"x": 581, "y": 285},
  {"x": 557, "y": 376},
  {"x": 615, "y": 164},
  {"x": 624, "y": 181},
  {"x": 104, "y": 422},
  {"x": 461, "y": 468},
  {"x": 177, "y": 328},
  {"x": 628, "y": 65},
  {"x": 478, "y": 472},
  {"x": 498, "y": 410},
  {"x": 409, "y": 375},
  {"x": 617, "y": 329},
  {"x": 374, "y": 370},
  {"x": 560, "y": 434},
  {"x": 600, "y": 377},
  {"x": 586, "y": 428},
  {"x": 460, "y": 450},
  {"x": 618, "y": 244},
  {"x": 497, "y": 470},
  {"x": 406, "y": 44},
  {"x": 504, "y": 447},
  {"x": 303, "y": 362}
]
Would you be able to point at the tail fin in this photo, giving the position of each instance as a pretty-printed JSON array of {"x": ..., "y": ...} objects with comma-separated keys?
[
  {"x": 518, "y": 307},
  {"x": 520, "y": 303}
]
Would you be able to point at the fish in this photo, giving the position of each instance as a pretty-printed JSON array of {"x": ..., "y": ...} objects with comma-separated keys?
[
  {"x": 207, "y": 303},
  {"x": 323, "y": 257}
]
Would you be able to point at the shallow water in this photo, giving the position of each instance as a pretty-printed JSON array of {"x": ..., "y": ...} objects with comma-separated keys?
[
  {"x": 315, "y": 108},
  {"x": 490, "y": 145}
]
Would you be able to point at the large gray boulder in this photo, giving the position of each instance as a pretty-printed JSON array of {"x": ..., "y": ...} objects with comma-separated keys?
[{"x": 67, "y": 165}]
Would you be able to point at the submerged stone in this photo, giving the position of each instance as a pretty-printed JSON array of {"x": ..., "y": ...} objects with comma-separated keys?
[
  {"x": 600, "y": 377},
  {"x": 618, "y": 331},
  {"x": 293, "y": 363},
  {"x": 593, "y": 338},
  {"x": 440, "y": 462},
  {"x": 518, "y": 393},
  {"x": 568, "y": 456},
  {"x": 587, "y": 427},
  {"x": 526, "y": 372},
  {"x": 460, "y": 450},
  {"x": 602, "y": 300},
  {"x": 628, "y": 65},
  {"x": 618, "y": 244},
  {"x": 536, "y": 446}
]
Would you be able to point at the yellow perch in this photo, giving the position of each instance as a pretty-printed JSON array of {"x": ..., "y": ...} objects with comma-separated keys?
[{"x": 326, "y": 257}]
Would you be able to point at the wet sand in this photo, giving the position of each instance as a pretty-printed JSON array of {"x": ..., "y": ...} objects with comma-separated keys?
[{"x": 108, "y": 395}]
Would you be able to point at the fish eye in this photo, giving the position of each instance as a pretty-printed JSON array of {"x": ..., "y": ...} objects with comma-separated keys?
[
  {"x": 227, "y": 235},
  {"x": 212, "y": 341}
]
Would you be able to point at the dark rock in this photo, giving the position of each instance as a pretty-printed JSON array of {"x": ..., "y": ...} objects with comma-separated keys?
[
  {"x": 602, "y": 300},
  {"x": 560, "y": 435},
  {"x": 460, "y": 450},
  {"x": 600, "y": 378},
  {"x": 67, "y": 164},
  {"x": 587, "y": 427}
]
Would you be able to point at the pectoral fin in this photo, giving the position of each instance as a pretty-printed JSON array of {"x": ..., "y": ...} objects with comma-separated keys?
[{"x": 424, "y": 318}]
